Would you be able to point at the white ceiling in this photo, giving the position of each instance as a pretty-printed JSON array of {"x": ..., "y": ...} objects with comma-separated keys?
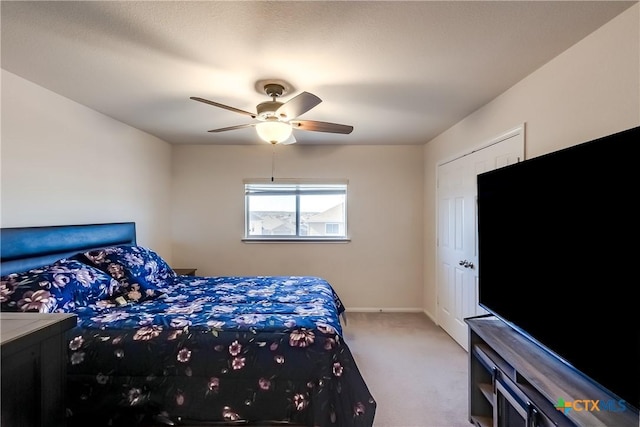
[{"x": 399, "y": 72}]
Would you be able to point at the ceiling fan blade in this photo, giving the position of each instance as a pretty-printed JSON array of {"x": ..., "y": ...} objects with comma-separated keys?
[
  {"x": 290, "y": 140},
  {"x": 316, "y": 126},
  {"x": 233, "y": 127},
  {"x": 226, "y": 107},
  {"x": 297, "y": 106}
]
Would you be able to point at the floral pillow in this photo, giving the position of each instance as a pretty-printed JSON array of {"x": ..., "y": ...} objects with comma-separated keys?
[
  {"x": 60, "y": 287},
  {"x": 139, "y": 271}
]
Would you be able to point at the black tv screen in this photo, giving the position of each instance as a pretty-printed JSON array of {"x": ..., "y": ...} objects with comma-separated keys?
[{"x": 558, "y": 256}]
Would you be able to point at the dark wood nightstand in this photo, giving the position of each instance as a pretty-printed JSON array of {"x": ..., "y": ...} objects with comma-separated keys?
[
  {"x": 34, "y": 368},
  {"x": 185, "y": 271}
]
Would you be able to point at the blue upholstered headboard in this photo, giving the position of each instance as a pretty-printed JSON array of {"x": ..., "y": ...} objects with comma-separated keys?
[{"x": 24, "y": 248}]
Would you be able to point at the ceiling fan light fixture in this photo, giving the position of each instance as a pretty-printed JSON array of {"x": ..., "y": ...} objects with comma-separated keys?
[
  {"x": 274, "y": 132},
  {"x": 274, "y": 118}
]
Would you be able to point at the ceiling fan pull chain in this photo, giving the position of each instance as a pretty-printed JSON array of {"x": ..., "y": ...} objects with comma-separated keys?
[{"x": 273, "y": 160}]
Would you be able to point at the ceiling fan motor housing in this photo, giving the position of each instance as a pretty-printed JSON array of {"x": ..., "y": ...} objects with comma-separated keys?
[{"x": 267, "y": 109}]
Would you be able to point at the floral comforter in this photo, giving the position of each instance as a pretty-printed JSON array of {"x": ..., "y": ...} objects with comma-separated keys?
[{"x": 225, "y": 349}]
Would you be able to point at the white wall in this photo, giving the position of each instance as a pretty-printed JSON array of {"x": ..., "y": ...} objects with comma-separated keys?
[
  {"x": 380, "y": 268},
  {"x": 63, "y": 163},
  {"x": 590, "y": 90}
]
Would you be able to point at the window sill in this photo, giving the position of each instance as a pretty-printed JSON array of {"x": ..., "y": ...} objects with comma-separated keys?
[{"x": 296, "y": 240}]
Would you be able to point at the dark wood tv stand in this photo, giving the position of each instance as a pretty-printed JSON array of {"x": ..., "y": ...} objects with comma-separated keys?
[{"x": 514, "y": 382}]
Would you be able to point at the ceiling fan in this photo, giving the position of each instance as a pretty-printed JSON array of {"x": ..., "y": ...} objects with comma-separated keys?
[{"x": 276, "y": 120}]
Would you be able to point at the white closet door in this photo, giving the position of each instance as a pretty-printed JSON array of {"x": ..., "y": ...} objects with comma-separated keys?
[{"x": 457, "y": 248}]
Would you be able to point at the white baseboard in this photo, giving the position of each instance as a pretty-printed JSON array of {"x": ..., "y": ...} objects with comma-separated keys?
[
  {"x": 384, "y": 310},
  {"x": 392, "y": 310}
]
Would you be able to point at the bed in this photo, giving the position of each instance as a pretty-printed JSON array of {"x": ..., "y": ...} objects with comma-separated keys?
[{"x": 152, "y": 347}]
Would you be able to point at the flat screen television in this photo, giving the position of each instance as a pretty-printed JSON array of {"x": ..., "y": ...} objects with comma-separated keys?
[{"x": 558, "y": 256}]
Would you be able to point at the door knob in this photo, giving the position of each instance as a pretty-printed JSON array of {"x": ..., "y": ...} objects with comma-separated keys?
[{"x": 466, "y": 264}]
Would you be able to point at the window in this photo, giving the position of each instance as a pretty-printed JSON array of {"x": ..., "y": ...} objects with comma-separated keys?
[
  {"x": 295, "y": 211},
  {"x": 332, "y": 228}
]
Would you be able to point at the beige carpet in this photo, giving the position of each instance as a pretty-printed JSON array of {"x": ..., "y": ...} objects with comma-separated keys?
[{"x": 414, "y": 370}]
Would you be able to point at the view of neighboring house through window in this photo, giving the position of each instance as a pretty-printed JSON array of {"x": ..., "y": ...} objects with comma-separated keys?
[{"x": 304, "y": 211}]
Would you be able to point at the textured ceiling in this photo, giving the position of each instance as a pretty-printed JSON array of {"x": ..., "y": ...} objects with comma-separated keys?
[{"x": 399, "y": 72}]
